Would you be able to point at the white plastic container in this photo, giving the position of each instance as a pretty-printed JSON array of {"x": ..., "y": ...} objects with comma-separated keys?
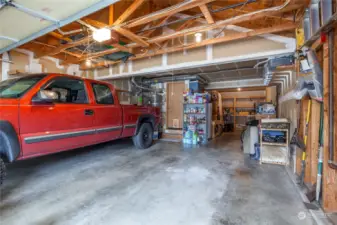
[{"x": 250, "y": 138}]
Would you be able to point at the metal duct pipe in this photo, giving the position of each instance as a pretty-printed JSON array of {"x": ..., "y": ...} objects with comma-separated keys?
[
  {"x": 235, "y": 84},
  {"x": 204, "y": 73},
  {"x": 306, "y": 25},
  {"x": 326, "y": 10},
  {"x": 288, "y": 76},
  {"x": 332, "y": 164},
  {"x": 314, "y": 16},
  {"x": 173, "y": 78},
  {"x": 285, "y": 78}
]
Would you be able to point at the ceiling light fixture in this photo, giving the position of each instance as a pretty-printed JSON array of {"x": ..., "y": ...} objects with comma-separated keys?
[
  {"x": 102, "y": 34},
  {"x": 88, "y": 62},
  {"x": 198, "y": 37}
]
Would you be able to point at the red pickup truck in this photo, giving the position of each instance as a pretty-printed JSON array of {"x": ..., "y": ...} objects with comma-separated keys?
[{"x": 46, "y": 113}]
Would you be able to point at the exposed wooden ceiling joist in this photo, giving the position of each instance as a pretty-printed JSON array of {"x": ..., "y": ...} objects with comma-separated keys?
[
  {"x": 59, "y": 36},
  {"x": 139, "y": 21},
  {"x": 218, "y": 24},
  {"x": 228, "y": 38},
  {"x": 159, "y": 18},
  {"x": 166, "y": 12},
  {"x": 132, "y": 36},
  {"x": 181, "y": 27},
  {"x": 221, "y": 24},
  {"x": 121, "y": 47},
  {"x": 149, "y": 32},
  {"x": 128, "y": 12},
  {"x": 207, "y": 14}
]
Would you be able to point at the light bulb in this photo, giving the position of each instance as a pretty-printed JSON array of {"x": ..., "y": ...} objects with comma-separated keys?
[
  {"x": 239, "y": 89},
  {"x": 102, "y": 34},
  {"x": 198, "y": 37},
  {"x": 88, "y": 62}
]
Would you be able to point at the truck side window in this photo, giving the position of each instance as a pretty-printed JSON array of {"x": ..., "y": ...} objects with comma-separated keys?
[
  {"x": 68, "y": 90},
  {"x": 103, "y": 94}
]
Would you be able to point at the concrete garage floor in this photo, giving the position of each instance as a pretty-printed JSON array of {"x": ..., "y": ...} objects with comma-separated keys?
[{"x": 114, "y": 183}]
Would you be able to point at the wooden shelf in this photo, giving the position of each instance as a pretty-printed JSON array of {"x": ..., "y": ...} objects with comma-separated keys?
[
  {"x": 275, "y": 144},
  {"x": 246, "y": 115},
  {"x": 239, "y": 102},
  {"x": 248, "y": 97}
]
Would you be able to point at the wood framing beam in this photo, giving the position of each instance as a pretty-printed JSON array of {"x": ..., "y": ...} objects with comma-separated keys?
[
  {"x": 313, "y": 142},
  {"x": 183, "y": 26},
  {"x": 132, "y": 36},
  {"x": 233, "y": 37},
  {"x": 60, "y": 36},
  {"x": 72, "y": 53},
  {"x": 222, "y": 23},
  {"x": 149, "y": 32},
  {"x": 245, "y": 11},
  {"x": 175, "y": 9},
  {"x": 128, "y": 11},
  {"x": 219, "y": 24},
  {"x": 167, "y": 12},
  {"x": 61, "y": 48},
  {"x": 94, "y": 23},
  {"x": 111, "y": 15},
  {"x": 204, "y": 9},
  {"x": 329, "y": 187},
  {"x": 121, "y": 47}
]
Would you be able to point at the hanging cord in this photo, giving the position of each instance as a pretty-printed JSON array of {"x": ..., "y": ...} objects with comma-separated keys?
[
  {"x": 253, "y": 13},
  {"x": 235, "y": 14},
  {"x": 88, "y": 46}
]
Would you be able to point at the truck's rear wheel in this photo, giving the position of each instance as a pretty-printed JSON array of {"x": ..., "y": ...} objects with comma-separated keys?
[
  {"x": 2, "y": 171},
  {"x": 144, "y": 138}
]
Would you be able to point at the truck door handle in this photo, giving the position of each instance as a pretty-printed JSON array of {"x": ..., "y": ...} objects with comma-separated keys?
[{"x": 88, "y": 112}]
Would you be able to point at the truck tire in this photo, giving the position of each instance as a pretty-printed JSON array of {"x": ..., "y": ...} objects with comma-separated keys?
[
  {"x": 2, "y": 171},
  {"x": 144, "y": 138}
]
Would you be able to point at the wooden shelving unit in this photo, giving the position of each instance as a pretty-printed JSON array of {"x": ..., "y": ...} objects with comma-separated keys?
[
  {"x": 274, "y": 153},
  {"x": 236, "y": 104}
]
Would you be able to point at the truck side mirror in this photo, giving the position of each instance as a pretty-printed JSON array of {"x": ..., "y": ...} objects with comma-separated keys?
[{"x": 45, "y": 96}]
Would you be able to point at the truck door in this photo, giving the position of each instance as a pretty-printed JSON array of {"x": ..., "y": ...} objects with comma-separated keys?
[
  {"x": 108, "y": 113},
  {"x": 62, "y": 125}
]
